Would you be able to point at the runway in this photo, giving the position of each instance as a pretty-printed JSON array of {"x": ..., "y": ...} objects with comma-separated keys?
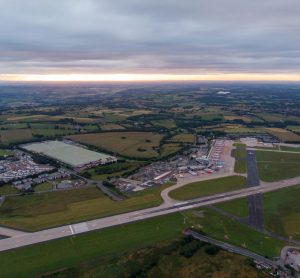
[{"x": 24, "y": 239}]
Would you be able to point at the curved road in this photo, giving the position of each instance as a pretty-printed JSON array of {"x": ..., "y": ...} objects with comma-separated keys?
[{"x": 184, "y": 181}]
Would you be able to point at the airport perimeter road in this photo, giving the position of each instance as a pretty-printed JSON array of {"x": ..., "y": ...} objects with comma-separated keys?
[
  {"x": 231, "y": 248},
  {"x": 114, "y": 196},
  {"x": 69, "y": 230},
  {"x": 187, "y": 180}
]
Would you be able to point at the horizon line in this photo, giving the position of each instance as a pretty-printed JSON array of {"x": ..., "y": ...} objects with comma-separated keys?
[{"x": 135, "y": 77}]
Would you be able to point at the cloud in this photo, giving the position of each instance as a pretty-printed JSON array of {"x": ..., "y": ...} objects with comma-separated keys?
[{"x": 141, "y": 36}]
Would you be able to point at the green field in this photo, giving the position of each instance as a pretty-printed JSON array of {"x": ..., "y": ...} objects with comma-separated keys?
[
  {"x": 39, "y": 211},
  {"x": 169, "y": 148},
  {"x": 113, "y": 170},
  {"x": 238, "y": 207},
  {"x": 67, "y": 252},
  {"x": 183, "y": 138},
  {"x": 289, "y": 149},
  {"x": 274, "y": 166},
  {"x": 7, "y": 189},
  {"x": 295, "y": 128},
  {"x": 130, "y": 144},
  {"x": 5, "y": 153},
  {"x": 275, "y": 117},
  {"x": 45, "y": 186},
  {"x": 208, "y": 187},
  {"x": 225, "y": 229},
  {"x": 165, "y": 123},
  {"x": 240, "y": 158},
  {"x": 282, "y": 212}
]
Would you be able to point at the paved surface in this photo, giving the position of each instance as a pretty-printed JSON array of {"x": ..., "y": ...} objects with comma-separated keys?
[
  {"x": 255, "y": 203},
  {"x": 232, "y": 248},
  {"x": 113, "y": 195},
  {"x": 24, "y": 239},
  {"x": 284, "y": 251},
  {"x": 228, "y": 170},
  {"x": 7, "y": 232}
]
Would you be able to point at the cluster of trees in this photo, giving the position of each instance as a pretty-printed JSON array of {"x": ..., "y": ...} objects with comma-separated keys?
[
  {"x": 112, "y": 168},
  {"x": 186, "y": 247}
]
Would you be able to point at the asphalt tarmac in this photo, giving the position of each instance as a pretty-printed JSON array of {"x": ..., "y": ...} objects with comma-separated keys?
[
  {"x": 255, "y": 202},
  {"x": 24, "y": 239}
]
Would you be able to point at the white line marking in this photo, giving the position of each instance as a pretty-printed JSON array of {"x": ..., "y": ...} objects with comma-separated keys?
[{"x": 71, "y": 228}]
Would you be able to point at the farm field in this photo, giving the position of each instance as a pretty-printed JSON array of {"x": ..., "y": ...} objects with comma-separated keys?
[
  {"x": 165, "y": 123},
  {"x": 70, "y": 206},
  {"x": 10, "y": 125},
  {"x": 236, "y": 117},
  {"x": 283, "y": 134},
  {"x": 34, "y": 260},
  {"x": 282, "y": 212},
  {"x": 111, "y": 126},
  {"x": 235, "y": 128},
  {"x": 274, "y": 166},
  {"x": 209, "y": 187},
  {"x": 25, "y": 118},
  {"x": 129, "y": 144},
  {"x": 183, "y": 138},
  {"x": 15, "y": 136},
  {"x": 81, "y": 120},
  {"x": 274, "y": 117},
  {"x": 240, "y": 158}
]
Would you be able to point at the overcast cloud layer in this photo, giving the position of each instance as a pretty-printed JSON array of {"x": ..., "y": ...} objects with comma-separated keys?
[{"x": 149, "y": 36}]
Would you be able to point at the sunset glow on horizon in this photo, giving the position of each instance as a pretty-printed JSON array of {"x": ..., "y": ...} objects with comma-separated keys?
[{"x": 131, "y": 77}]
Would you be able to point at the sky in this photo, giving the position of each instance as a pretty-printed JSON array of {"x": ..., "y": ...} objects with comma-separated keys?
[{"x": 111, "y": 40}]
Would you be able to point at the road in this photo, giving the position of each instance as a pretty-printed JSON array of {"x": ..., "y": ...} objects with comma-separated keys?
[
  {"x": 114, "y": 196},
  {"x": 232, "y": 248},
  {"x": 255, "y": 202},
  {"x": 25, "y": 239}
]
